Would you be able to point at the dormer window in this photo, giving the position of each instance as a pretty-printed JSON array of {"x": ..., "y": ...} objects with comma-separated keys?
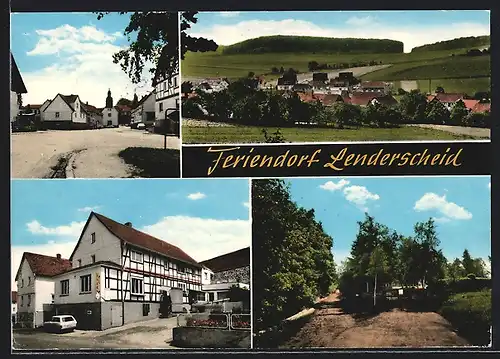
[{"x": 92, "y": 238}]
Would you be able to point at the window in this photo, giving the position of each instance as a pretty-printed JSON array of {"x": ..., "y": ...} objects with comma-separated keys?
[
  {"x": 136, "y": 257},
  {"x": 65, "y": 287},
  {"x": 57, "y": 114},
  {"x": 29, "y": 280},
  {"x": 85, "y": 284},
  {"x": 22, "y": 300},
  {"x": 137, "y": 288},
  {"x": 79, "y": 263},
  {"x": 29, "y": 300},
  {"x": 93, "y": 258},
  {"x": 175, "y": 81},
  {"x": 145, "y": 309},
  {"x": 92, "y": 238},
  {"x": 109, "y": 114},
  {"x": 67, "y": 319},
  {"x": 22, "y": 283},
  {"x": 211, "y": 277},
  {"x": 161, "y": 106},
  {"x": 181, "y": 269},
  {"x": 210, "y": 297},
  {"x": 206, "y": 275}
]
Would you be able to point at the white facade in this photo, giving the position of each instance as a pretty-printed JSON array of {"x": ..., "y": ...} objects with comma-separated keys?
[
  {"x": 206, "y": 276},
  {"x": 59, "y": 110},
  {"x": 109, "y": 117},
  {"x": 42, "y": 109},
  {"x": 167, "y": 94},
  {"x": 145, "y": 111},
  {"x": 32, "y": 293},
  {"x": 14, "y": 106}
]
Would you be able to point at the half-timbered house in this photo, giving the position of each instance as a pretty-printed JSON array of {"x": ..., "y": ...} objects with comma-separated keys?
[{"x": 120, "y": 275}]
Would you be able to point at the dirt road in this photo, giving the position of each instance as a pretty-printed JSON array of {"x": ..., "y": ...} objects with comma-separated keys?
[
  {"x": 479, "y": 133},
  {"x": 329, "y": 327},
  {"x": 86, "y": 153}
]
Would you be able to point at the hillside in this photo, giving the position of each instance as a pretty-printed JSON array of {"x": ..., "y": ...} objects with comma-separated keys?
[
  {"x": 308, "y": 44},
  {"x": 459, "y": 43}
]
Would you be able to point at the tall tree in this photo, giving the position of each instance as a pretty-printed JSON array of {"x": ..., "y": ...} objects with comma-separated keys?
[
  {"x": 413, "y": 105},
  {"x": 156, "y": 41},
  {"x": 467, "y": 262},
  {"x": 458, "y": 113},
  {"x": 378, "y": 266}
]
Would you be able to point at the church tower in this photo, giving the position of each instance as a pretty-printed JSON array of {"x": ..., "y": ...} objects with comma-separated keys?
[{"x": 109, "y": 100}]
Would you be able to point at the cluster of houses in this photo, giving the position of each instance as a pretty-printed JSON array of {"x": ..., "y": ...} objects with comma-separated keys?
[
  {"x": 70, "y": 112},
  {"x": 343, "y": 88},
  {"x": 118, "y": 275}
]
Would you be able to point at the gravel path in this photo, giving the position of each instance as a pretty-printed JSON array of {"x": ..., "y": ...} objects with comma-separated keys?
[
  {"x": 88, "y": 153},
  {"x": 479, "y": 133},
  {"x": 329, "y": 327}
]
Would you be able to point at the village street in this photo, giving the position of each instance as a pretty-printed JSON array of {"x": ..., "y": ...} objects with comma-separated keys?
[
  {"x": 329, "y": 327},
  {"x": 152, "y": 334},
  {"x": 82, "y": 153},
  {"x": 476, "y": 132}
]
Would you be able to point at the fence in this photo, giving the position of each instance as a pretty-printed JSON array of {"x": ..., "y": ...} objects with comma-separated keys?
[{"x": 224, "y": 321}]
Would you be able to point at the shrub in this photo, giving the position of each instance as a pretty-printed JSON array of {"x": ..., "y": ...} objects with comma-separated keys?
[{"x": 470, "y": 314}]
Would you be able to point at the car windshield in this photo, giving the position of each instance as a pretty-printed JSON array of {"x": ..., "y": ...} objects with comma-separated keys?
[{"x": 56, "y": 319}]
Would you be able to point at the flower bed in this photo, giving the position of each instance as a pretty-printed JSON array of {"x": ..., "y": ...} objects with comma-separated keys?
[
  {"x": 211, "y": 323},
  {"x": 240, "y": 324}
]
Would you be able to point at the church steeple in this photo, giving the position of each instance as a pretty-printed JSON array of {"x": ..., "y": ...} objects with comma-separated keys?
[{"x": 109, "y": 100}]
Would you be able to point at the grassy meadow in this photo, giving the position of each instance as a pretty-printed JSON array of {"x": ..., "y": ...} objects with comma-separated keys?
[{"x": 253, "y": 134}]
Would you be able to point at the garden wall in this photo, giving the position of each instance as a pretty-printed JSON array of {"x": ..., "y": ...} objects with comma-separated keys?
[{"x": 188, "y": 337}]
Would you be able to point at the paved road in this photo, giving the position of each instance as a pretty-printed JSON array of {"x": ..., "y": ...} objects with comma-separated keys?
[
  {"x": 329, "y": 327},
  {"x": 91, "y": 153},
  {"x": 153, "y": 334},
  {"x": 479, "y": 133}
]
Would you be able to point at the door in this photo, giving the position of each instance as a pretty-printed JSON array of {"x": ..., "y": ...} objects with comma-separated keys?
[
  {"x": 110, "y": 123},
  {"x": 116, "y": 315}
]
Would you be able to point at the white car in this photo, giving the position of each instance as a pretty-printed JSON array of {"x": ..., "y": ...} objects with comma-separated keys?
[
  {"x": 61, "y": 323},
  {"x": 141, "y": 126}
]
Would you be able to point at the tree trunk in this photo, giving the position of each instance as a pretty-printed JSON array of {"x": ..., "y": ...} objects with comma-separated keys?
[{"x": 375, "y": 292}]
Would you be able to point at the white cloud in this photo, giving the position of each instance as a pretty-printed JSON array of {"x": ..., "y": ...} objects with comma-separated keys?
[
  {"x": 73, "y": 229},
  {"x": 201, "y": 238},
  {"x": 360, "y": 196},
  {"x": 89, "y": 209},
  {"x": 196, "y": 196},
  {"x": 229, "y": 13},
  {"x": 80, "y": 63},
  {"x": 434, "y": 202},
  {"x": 332, "y": 186},
  {"x": 246, "y": 204},
  {"x": 360, "y": 20},
  {"x": 441, "y": 219},
  {"x": 411, "y": 36}
]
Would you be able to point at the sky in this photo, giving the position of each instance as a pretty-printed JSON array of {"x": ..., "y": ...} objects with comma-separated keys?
[
  {"x": 413, "y": 28},
  {"x": 71, "y": 53},
  {"x": 460, "y": 206},
  {"x": 205, "y": 218}
]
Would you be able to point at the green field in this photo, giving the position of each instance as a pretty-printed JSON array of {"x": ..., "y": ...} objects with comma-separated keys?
[
  {"x": 247, "y": 134},
  {"x": 469, "y": 86}
]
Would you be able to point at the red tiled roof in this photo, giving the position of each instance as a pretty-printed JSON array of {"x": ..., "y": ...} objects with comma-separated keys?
[
  {"x": 309, "y": 97},
  {"x": 331, "y": 99},
  {"x": 482, "y": 107},
  {"x": 90, "y": 108},
  {"x": 470, "y": 104},
  {"x": 236, "y": 259},
  {"x": 133, "y": 236},
  {"x": 14, "y": 296},
  {"x": 446, "y": 97},
  {"x": 45, "y": 266},
  {"x": 387, "y": 100},
  {"x": 34, "y": 107},
  {"x": 362, "y": 98}
]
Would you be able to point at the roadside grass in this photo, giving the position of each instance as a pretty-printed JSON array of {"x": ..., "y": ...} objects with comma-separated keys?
[
  {"x": 253, "y": 134},
  {"x": 152, "y": 162},
  {"x": 470, "y": 314}
]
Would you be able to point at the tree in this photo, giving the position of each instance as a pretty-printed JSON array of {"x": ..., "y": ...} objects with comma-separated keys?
[
  {"x": 455, "y": 270},
  {"x": 251, "y": 74},
  {"x": 186, "y": 87},
  {"x": 413, "y": 105},
  {"x": 156, "y": 35},
  {"x": 467, "y": 262},
  {"x": 436, "y": 113},
  {"x": 378, "y": 266},
  {"x": 458, "y": 113},
  {"x": 439, "y": 89},
  {"x": 124, "y": 101},
  {"x": 312, "y": 66},
  {"x": 346, "y": 114}
]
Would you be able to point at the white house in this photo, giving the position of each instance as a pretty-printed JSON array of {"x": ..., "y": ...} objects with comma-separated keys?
[
  {"x": 109, "y": 117},
  {"x": 145, "y": 110},
  {"x": 17, "y": 88},
  {"x": 120, "y": 275},
  {"x": 35, "y": 286},
  {"x": 65, "y": 111},
  {"x": 375, "y": 86},
  {"x": 167, "y": 92}
]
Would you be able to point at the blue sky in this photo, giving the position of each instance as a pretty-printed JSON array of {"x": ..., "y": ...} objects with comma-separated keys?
[
  {"x": 205, "y": 218},
  {"x": 71, "y": 53},
  {"x": 430, "y": 26},
  {"x": 461, "y": 207}
]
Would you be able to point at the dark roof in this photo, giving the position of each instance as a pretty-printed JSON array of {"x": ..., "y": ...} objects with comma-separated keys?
[
  {"x": 387, "y": 100},
  {"x": 68, "y": 99},
  {"x": 14, "y": 296},
  {"x": 134, "y": 237},
  {"x": 237, "y": 259},
  {"x": 45, "y": 266},
  {"x": 302, "y": 87},
  {"x": 91, "y": 109},
  {"x": 16, "y": 80}
]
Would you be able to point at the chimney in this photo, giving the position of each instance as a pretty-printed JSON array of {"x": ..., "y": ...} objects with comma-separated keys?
[
  {"x": 128, "y": 224},
  {"x": 58, "y": 256}
]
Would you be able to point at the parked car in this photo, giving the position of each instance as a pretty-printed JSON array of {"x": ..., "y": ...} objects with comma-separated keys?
[
  {"x": 141, "y": 126},
  {"x": 60, "y": 323}
]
